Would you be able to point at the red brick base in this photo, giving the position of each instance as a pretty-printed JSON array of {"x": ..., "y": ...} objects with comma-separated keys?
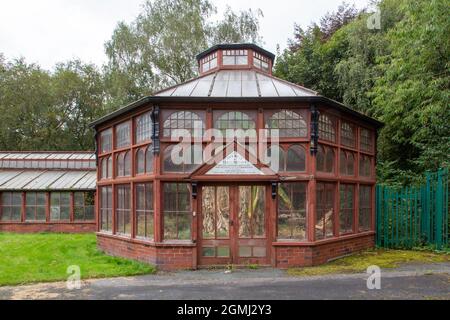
[
  {"x": 288, "y": 256},
  {"x": 165, "y": 256},
  {"x": 182, "y": 256},
  {"x": 83, "y": 227}
]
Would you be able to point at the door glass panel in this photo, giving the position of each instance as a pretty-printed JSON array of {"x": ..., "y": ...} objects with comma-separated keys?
[
  {"x": 251, "y": 211},
  {"x": 223, "y": 252},
  {"x": 208, "y": 252},
  {"x": 245, "y": 211},
  {"x": 208, "y": 210},
  {"x": 216, "y": 212},
  {"x": 258, "y": 204},
  {"x": 245, "y": 252},
  {"x": 223, "y": 212},
  {"x": 259, "y": 252}
]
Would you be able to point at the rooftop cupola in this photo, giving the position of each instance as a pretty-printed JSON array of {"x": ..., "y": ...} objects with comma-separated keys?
[{"x": 235, "y": 56}]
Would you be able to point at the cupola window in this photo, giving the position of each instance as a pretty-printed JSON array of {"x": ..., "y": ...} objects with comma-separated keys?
[
  {"x": 235, "y": 57},
  {"x": 260, "y": 62},
  {"x": 209, "y": 62}
]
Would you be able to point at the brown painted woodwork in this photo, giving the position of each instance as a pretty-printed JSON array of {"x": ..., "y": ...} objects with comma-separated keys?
[{"x": 233, "y": 240}]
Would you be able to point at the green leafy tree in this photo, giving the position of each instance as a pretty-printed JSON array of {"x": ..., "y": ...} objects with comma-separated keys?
[
  {"x": 25, "y": 107},
  {"x": 412, "y": 97},
  {"x": 398, "y": 74},
  {"x": 79, "y": 95},
  {"x": 158, "y": 49}
]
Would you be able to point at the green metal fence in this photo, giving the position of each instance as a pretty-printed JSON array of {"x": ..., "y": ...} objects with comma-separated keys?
[{"x": 414, "y": 216}]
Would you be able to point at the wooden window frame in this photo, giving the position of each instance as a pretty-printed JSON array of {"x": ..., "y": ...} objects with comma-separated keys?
[
  {"x": 168, "y": 119},
  {"x": 143, "y": 129},
  {"x": 176, "y": 212},
  {"x": 11, "y": 206},
  {"x": 108, "y": 132},
  {"x": 208, "y": 60},
  {"x": 35, "y": 206},
  {"x": 121, "y": 160},
  {"x": 303, "y": 123},
  {"x": 121, "y": 210},
  {"x": 321, "y": 205},
  {"x": 292, "y": 238},
  {"x": 326, "y": 150},
  {"x": 84, "y": 206},
  {"x": 236, "y": 54},
  {"x": 128, "y": 136},
  {"x": 108, "y": 210},
  {"x": 366, "y": 143},
  {"x": 327, "y": 128},
  {"x": 347, "y": 210},
  {"x": 68, "y": 206},
  {"x": 146, "y": 211},
  {"x": 368, "y": 208},
  {"x": 348, "y": 134}
]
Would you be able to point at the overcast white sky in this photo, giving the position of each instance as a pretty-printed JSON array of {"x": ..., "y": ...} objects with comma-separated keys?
[{"x": 51, "y": 31}]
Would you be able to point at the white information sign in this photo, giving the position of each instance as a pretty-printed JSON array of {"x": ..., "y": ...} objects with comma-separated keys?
[{"x": 235, "y": 164}]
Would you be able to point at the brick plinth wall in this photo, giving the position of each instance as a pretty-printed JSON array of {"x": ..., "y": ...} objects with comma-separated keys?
[
  {"x": 82, "y": 227},
  {"x": 184, "y": 256},
  {"x": 164, "y": 256},
  {"x": 288, "y": 256}
]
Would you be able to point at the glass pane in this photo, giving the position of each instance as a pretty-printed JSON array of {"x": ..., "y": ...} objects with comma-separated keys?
[
  {"x": 30, "y": 213},
  {"x": 296, "y": 159},
  {"x": 40, "y": 213},
  {"x": 16, "y": 199},
  {"x": 79, "y": 213},
  {"x": 149, "y": 160},
  {"x": 292, "y": 211},
  {"x": 16, "y": 213},
  {"x": 245, "y": 252},
  {"x": 106, "y": 140},
  {"x": 184, "y": 226},
  {"x": 89, "y": 213},
  {"x": 325, "y": 210},
  {"x": 123, "y": 135},
  {"x": 79, "y": 198},
  {"x": 65, "y": 213},
  {"x": 258, "y": 203},
  {"x": 346, "y": 208},
  {"x": 6, "y": 213},
  {"x": 65, "y": 199},
  {"x": 208, "y": 252},
  {"x": 170, "y": 225},
  {"x": 259, "y": 252},
  {"x": 54, "y": 198},
  {"x": 143, "y": 127},
  {"x": 223, "y": 212},
  {"x": 223, "y": 252},
  {"x": 40, "y": 198},
  {"x": 208, "y": 211},
  {"x": 228, "y": 60},
  {"x": 242, "y": 60},
  {"x": 245, "y": 211},
  {"x": 140, "y": 162},
  {"x": 31, "y": 198},
  {"x": 54, "y": 213}
]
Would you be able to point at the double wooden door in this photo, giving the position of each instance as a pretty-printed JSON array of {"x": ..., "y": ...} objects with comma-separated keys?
[{"x": 233, "y": 224}]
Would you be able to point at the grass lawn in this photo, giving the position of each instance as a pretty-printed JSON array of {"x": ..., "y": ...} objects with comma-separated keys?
[
  {"x": 28, "y": 258},
  {"x": 379, "y": 257}
]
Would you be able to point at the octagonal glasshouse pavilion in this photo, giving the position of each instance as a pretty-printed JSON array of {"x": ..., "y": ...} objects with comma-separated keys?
[{"x": 161, "y": 203}]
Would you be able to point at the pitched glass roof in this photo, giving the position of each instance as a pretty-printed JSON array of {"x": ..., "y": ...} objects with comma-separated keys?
[
  {"x": 47, "y": 160},
  {"x": 47, "y": 171},
  {"x": 47, "y": 180},
  {"x": 237, "y": 83}
]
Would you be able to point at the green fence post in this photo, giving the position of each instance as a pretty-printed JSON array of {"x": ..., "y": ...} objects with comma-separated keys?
[
  {"x": 439, "y": 210},
  {"x": 378, "y": 202}
]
